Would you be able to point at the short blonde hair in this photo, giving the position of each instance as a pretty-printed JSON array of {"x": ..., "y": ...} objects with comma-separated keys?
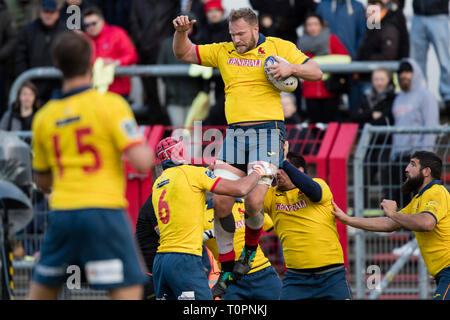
[{"x": 243, "y": 13}]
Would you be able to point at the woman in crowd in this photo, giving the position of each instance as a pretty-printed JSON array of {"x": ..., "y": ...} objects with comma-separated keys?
[
  {"x": 321, "y": 104},
  {"x": 24, "y": 108},
  {"x": 376, "y": 109}
]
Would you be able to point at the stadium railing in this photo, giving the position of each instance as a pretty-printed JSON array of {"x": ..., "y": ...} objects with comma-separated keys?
[
  {"x": 183, "y": 70},
  {"x": 376, "y": 272}
]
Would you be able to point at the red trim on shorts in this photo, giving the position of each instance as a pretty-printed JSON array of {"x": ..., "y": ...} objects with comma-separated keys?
[
  {"x": 215, "y": 184},
  {"x": 198, "y": 55}
]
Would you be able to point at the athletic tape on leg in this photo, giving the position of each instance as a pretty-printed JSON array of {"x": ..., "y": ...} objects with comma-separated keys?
[
  {"x": 224, "y": 239},
  {"x": 255, "y": 222}
]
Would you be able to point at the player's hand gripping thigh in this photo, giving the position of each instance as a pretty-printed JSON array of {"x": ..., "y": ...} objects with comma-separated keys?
[{"x": 255, "y": 199}]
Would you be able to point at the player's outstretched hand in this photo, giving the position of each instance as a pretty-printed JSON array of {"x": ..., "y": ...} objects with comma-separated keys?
[
  {"x": 338, "y": 213},
  {"x": 182, "y": 23}
]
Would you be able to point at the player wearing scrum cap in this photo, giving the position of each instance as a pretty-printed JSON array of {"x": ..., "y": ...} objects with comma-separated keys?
[
  {"x": 255, "y": 117},
  {"x": 178, "y": 198}
]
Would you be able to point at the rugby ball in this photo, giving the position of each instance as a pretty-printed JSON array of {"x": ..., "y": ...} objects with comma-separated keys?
[{"x": 288, "y": 84}]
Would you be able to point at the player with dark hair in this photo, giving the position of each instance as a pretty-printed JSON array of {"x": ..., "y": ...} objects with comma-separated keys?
[
  {"x": 300, "y": 207},
  {"x": 178, "y": 198},
  {"x": 255, "y": 118},
  {"x": 78, "y": 143},
  {"x": 428, "y": 215}
]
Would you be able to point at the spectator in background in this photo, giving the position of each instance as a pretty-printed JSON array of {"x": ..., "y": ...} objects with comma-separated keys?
[
  {"x": 215, "y": 30},
  {"x": 64, "y": 15},
  {"x": 321, "y": 104},
  {"x": 282, "y": 18},
  {"x": 179, "y": 91},
  {"x": 346, "y": 19},
  {"x": 34, "y": 43},
  {"x": 414, "y": 106},
  {"x": 289, "y": 104},
  {"x": 115, "y": 12},
  {"x": 430, "y": 25},
  {"x": 376, "y": 106},
  {"x": 112, "y": 44},
  {"x": 8, "y": 40},
  {"x": 376, "y": 109},
  {"x": 395, "y": 8},
  {"x": 23, "y": 11},
  {"x": 150, "y": 24},
  {"x": 195, "y": 7},
  {"x": 216, "y": 27},
  {"x": 23, "y": 110},
  {"x": 385, "y": 42}
]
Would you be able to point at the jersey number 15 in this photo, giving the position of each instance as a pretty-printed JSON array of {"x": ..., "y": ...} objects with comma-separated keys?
[{"x": 82, "y": 148}]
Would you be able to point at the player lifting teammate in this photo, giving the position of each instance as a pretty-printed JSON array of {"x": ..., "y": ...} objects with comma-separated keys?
[
  {"x": 255, "y": 118},
  {"x": 178, "y": 199}
]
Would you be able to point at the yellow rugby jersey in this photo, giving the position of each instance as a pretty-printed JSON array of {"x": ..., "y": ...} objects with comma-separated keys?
[
  {"x": 435, "y": 244},
  {"x": 80, "y": 139},
  {"x": 307, "y": 230},
  {"x": 179, "y": 201},
  {"x": 249, "y": 96},
  {"x": 260, "y": 262}
]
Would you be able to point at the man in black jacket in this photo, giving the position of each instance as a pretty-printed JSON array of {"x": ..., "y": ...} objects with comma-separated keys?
[
  {"x": 34, "y": 44},
  {"x": 8, "y": 38},
  {"x": 281, "y": 18},
  {"x": 150, "y": 24},
  {"x": 388, "y": 41},
  {"x": 430, "y": 25}
]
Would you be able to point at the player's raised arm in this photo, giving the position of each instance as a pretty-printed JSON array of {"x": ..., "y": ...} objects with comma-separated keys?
[{"x": 183, "y": 48}]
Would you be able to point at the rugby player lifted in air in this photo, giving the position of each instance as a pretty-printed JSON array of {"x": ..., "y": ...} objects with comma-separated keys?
[{"x": 255, "y": 121}]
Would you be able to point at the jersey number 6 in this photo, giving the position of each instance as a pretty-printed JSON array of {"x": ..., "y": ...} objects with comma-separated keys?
[{"x": 163, "y": 205}]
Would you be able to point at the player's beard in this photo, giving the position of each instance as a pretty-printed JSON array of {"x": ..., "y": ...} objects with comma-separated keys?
[
  {"x": 251, "y": 45},
  {"x": 412, "y": 185}
]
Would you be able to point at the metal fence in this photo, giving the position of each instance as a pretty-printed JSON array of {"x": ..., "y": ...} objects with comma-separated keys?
[
  {"x": 378, "y": 175},
  {"x": 183, "y": 70}
]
